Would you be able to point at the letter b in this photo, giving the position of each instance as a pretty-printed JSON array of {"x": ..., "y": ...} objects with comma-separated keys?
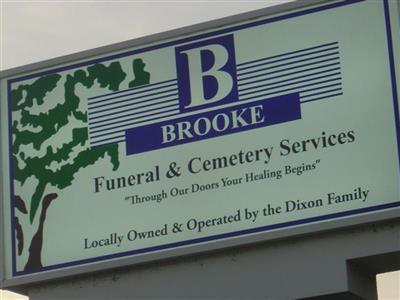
[
  {"x": 168, "y": 134},
  {"x": 206, "y": 73}
]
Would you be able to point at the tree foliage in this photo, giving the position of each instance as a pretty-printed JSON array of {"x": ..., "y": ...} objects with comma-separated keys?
[{"x": 48, "y": 124}]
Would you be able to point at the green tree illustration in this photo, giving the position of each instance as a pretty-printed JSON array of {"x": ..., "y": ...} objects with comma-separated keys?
[{"x": 38, "y": 129}]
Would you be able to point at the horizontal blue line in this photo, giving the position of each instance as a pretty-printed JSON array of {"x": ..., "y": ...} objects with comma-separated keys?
[
  {"x": 130, "y": 115},
  {"x": 117, "y": 139},
  {"x": 287, "y": 90},
  {"x": 138, "y": 93},
  {"x": 262, "y": 95},
  {"x": 287, "y": 53},
  {"x": 320, "y": 98},
  {"x": 133, "y": 89},
  {"x": 157, "y": 117},
  {"x": 316, "y": 94},
  {"x": 294, "y": 88},
  {"x": 106, "y": 144},
  {"x": 142, "y": 114},
  {"x": 288, "y": 74},
  {"x": 143, "y": 98},
  {"x": 118, "y": 117},
  {"x": 289, "y": 63},
  {"x": 124, "y": 105},
  {"x": 290, "y": 68},
  {"x": 283, "y": 85},
  {"x": 321, "y": 87},
  {"x": 291, "y": 79},
  {"x": 134, "y": 123},
  {"x": 125, "y": 115},
  {"x": 98, "y": 143},
  {"x": 174, "y": 102}
]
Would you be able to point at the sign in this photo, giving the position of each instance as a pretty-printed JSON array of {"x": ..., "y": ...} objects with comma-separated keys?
[{"x": 267, "y": 124}]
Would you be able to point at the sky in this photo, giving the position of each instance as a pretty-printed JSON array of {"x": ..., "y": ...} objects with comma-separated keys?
[
  {"x": 35, "y": 30},
  {"x": 38, "y": 30}
]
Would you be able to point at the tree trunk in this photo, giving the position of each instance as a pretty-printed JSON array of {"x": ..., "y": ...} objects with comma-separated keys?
[{"x": 35, "y": 249}]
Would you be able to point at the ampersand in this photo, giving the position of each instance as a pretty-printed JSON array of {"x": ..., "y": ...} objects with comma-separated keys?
[
  {"x": 174, "y": 170},
  {"x": 177, "y": 228}
]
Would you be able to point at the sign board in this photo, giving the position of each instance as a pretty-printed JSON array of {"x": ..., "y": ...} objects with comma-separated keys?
[{"x": 206, "y": 139}]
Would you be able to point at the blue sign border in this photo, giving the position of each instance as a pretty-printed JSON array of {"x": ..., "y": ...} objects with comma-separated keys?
[{"x": 225, "y": 235}]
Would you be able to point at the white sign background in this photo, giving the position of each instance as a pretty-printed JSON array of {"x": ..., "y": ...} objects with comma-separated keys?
[{"x": 370, "y": 163}]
